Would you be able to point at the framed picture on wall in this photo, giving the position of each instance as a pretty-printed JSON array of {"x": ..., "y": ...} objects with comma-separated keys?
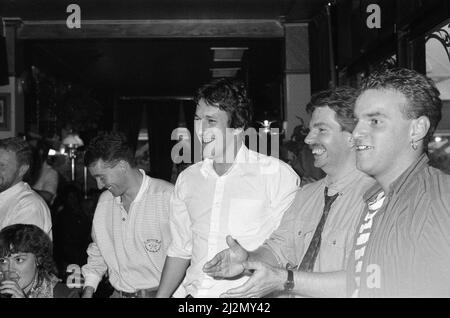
[{"x": 5, "y": 111}]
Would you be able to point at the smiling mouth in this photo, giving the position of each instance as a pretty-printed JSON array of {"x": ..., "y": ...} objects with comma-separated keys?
[
  {"x": 363, "y": 147},
  {"x": 318, "y": 151},
  {"x": 208, "y": 140}
]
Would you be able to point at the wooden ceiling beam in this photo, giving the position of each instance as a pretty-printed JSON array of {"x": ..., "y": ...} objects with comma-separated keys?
[{"x": 91, "y": 29}]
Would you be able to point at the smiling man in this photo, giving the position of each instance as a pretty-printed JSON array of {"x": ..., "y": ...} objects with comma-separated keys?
[
  {"x": 308, "y": 253},
  {"x": 233, "y": 191},
  {"x": 402, "y": 248},
  {"x": 130, "y": 230},
  {"x": 18, "y": 202}
]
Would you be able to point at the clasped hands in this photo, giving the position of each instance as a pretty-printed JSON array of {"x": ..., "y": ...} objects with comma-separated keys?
[{"x": 234, "y": 261}]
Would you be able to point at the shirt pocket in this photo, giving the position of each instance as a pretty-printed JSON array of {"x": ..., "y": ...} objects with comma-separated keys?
[
  {"x": 245, "y": 217},
  {"x": 304, "y": 234},
  {"x": 334, "y": 246}
]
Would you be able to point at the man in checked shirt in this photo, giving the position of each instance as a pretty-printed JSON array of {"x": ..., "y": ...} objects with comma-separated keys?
[{"x": 130, "y": 230}]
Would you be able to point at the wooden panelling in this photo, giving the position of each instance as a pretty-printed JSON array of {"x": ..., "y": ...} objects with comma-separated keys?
[{"x": 153, "y": 29}]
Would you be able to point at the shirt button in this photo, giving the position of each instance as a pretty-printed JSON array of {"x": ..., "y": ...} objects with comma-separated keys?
[
  {"x": 299, "y": 233},
  {"x": 123, "y": 219}
]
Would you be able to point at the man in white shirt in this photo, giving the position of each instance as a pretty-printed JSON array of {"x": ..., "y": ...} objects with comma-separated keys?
[
  {"x": 130, "y": 230},
  {"x": 18, "y": 202},
  {"x": 233, "y": 191}
]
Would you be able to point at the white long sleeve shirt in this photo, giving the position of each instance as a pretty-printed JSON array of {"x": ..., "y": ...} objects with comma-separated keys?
[
  {"x": 20, "y": 204},
  {"x": 130, "y": 246},
  {"x": 247, "y": 202}
]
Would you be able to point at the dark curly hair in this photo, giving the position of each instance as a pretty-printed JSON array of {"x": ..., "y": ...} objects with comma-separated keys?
[
  {"x": 230, "y": 96},
  {"x": 28, "y": 238},
  {"x": 419, "y": 90},
  {"x": 111, "y": 147},
  {"x": 341, "y": 100}
]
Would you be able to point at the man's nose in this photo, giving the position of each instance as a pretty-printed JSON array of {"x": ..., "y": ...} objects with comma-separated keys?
[
  {"x": 204, "y": 126},
  {"x": 358, "y": 132},
  {"x": 309, "y": 139}
]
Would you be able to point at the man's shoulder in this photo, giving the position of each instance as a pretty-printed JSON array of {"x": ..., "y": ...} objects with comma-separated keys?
[
  {"x": 312, "y": 187},
  {"x": 105, "y": 197},
  {"x": 193, "y": 170},
  {"x": 269, "y": 164},
  {"x": 432, "y": 183},
  {"x": 158, "y": 186},
  {"x": 28, "y": 196}
]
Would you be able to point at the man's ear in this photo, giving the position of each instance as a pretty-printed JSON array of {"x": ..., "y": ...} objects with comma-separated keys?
[
  {"x": 23, "y": 170},
  {"x": 124, "y": 165},
  {"x": 419, "y": 128},
  {"x": 237, "y": 131}
]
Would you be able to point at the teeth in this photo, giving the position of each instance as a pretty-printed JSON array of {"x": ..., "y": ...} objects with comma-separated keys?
[
  {"x": 362, "y": 147},
  {"x": 318, "y": 151},
  {"x": 207, "y": 140}
]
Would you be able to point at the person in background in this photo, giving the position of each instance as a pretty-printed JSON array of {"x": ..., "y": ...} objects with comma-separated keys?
[
  {"x": 26, "y": 264},
  {"x": 71, "y": 229},
  {"x": 44, "y": 179},
  {"x": 18, "y": 202}
]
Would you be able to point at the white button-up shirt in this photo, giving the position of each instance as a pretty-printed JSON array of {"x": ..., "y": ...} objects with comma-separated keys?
[
  {"x": 131, "y": 246},
  {"x": 20, "y": 204},
  {"x": 247, "y": 202}
]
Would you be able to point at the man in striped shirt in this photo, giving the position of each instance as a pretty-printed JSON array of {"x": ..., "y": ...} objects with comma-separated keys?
[
  {"x": 402, "y": 247},
  {"x": 130, "y": 230}
]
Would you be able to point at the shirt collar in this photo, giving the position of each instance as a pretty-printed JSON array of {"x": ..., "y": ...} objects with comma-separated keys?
[
  {"x": 402, "y": 180},
  {"x": 144, "y": 184},
  {"x": 207, "y": 166},
  {"x": 14, "y": 190},
  {"x": 342, "y": 184}
]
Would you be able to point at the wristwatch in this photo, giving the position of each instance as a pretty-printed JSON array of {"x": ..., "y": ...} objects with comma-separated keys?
[{"x": 289, "y": 284}]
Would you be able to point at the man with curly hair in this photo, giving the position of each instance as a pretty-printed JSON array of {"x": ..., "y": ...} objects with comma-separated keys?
[
  {"x": 233, "y": 191},
  {"x": 18, "y": 202},
  {"x": 130, "y": 230}
]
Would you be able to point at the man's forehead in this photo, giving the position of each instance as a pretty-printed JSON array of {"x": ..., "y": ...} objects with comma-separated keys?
[
  {"x": 207, "y": 109},
  {"x": 7, "y": 155},
  {"x": 99, "y": 165},
  {"x": 380, "y": 100},
  {"x": 323, "y": 115}
]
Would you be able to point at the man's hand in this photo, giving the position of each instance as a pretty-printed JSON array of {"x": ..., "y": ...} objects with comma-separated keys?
[
  {"x": 229, "y": 262},
  {"x": 265, "y": 279},
  {"x": 88, "y": 292},
  {"x": 9, "y": 287}
]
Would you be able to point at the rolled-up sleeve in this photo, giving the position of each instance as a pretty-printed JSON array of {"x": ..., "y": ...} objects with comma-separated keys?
[
  {"x": 96, "y": 267},
  {"x": 282, "y": 241},
  {"x": 283, "y": 187},
  {"x": 180, "y": 224}
]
